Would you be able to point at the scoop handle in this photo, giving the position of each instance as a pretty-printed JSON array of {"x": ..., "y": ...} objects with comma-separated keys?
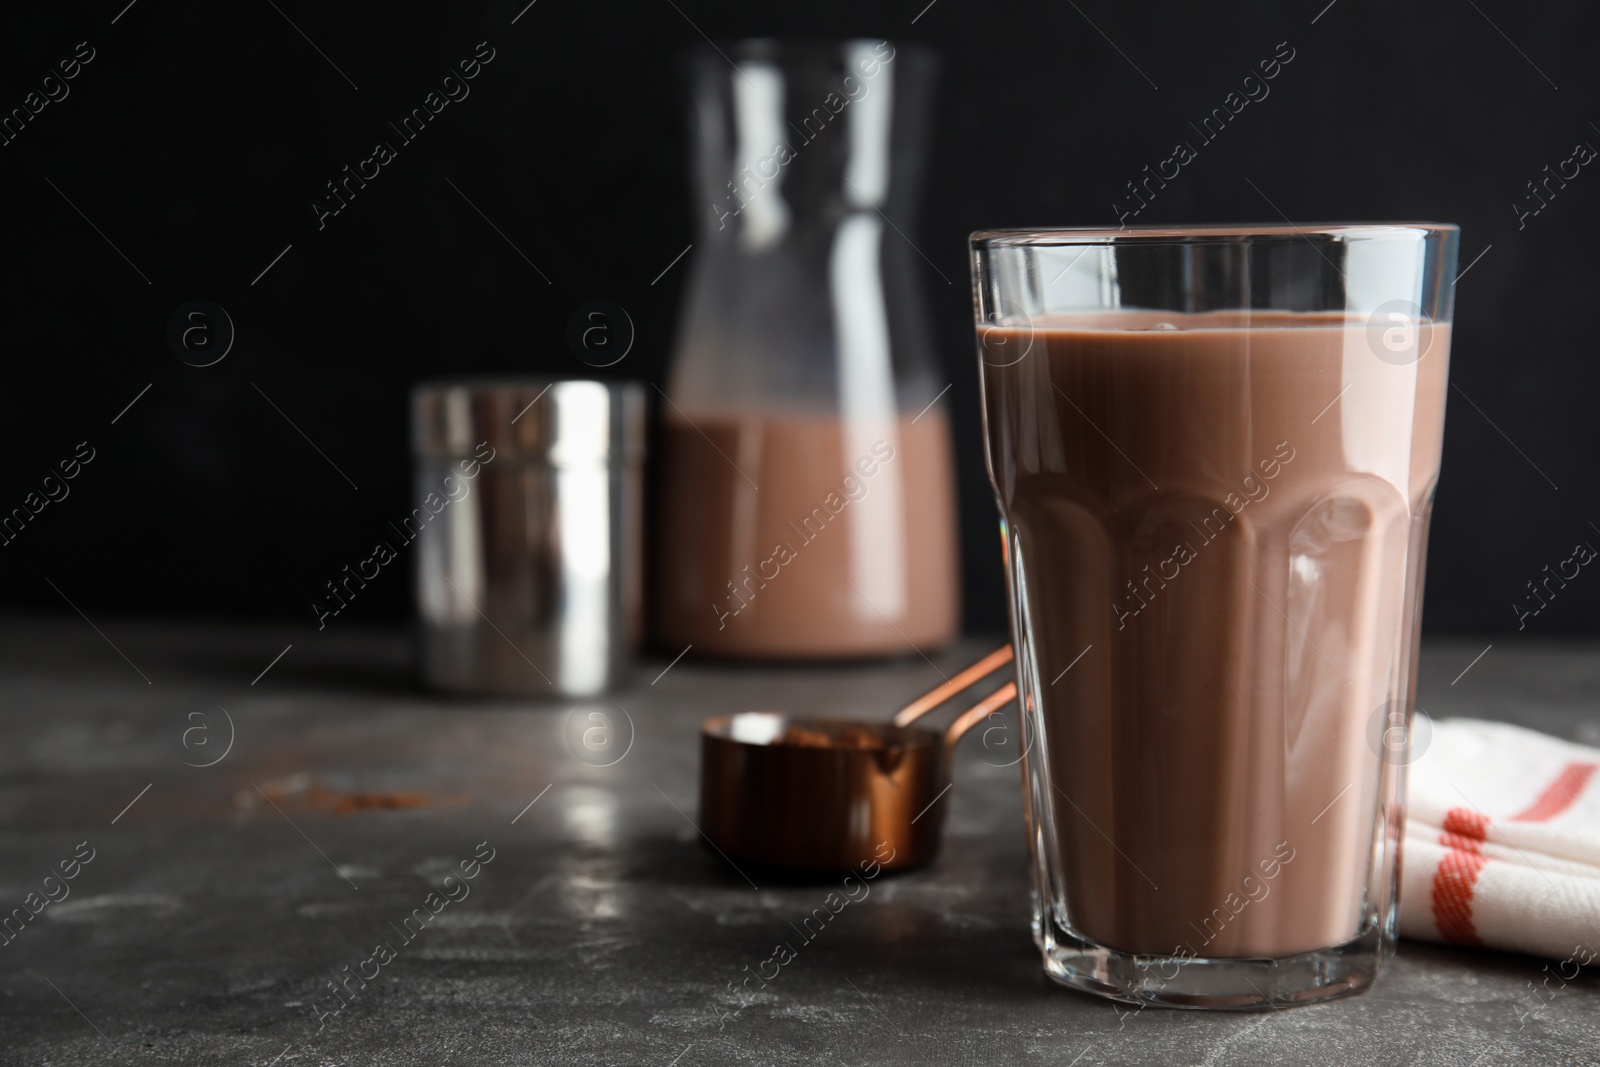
[
  {"x": 978, "y": 712},
  {"x": 934, "y": 697}
]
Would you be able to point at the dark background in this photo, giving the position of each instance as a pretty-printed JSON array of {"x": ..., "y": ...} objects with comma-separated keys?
[{"x": 198, "y": 136}]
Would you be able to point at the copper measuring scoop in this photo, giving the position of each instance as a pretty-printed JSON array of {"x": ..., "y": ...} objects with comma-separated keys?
[{"x": 834, "y": 795}]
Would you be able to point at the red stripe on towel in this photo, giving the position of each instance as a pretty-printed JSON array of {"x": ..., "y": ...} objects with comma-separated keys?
[
  {"x": 1453, "y": 885},
  {"x": 1560, "y": 794},
  {"x": 1467, "y": 823}
]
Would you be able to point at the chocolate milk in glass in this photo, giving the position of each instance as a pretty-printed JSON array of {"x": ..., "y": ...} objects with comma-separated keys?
[
  {"x": 798, "y": 536},
  {"x": 1225, "y": 517}
]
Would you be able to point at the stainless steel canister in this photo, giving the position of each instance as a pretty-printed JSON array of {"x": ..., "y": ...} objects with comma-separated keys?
[{"x": 528, "y": 519}]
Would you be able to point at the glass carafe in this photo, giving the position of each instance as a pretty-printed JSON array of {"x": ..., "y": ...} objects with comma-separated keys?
[{"x": 807, "y": 505}]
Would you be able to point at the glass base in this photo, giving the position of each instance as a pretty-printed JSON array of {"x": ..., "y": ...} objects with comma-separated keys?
[{"x": 1214, "y": 984}]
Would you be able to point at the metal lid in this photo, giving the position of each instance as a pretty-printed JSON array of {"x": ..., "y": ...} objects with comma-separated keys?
[{"x": 558, "y": 421}]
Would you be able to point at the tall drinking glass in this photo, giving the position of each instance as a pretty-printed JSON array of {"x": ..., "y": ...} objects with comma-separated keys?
[{"x": 1215, "y": 453}]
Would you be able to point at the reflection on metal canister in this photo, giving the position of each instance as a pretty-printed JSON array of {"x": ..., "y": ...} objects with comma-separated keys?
[{"x": 529, "y": 582}]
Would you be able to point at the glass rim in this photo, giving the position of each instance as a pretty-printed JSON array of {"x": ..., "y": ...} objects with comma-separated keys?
[{"x": 1067, "y": 236}]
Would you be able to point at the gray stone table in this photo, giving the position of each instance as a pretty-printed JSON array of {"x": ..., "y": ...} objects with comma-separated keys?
[{"x": 218, "y": 905}]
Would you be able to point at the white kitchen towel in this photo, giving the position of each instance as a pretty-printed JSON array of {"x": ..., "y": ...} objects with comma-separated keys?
[{"x": 1502, "y": 845}]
